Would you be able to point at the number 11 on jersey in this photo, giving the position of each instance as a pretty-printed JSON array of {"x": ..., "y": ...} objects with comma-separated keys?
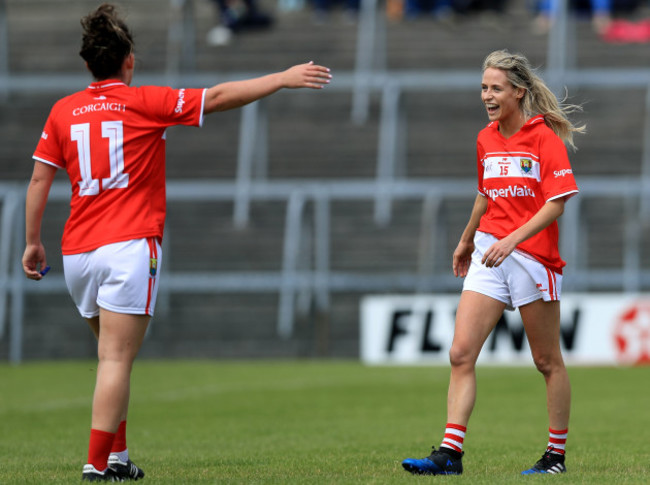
[{"x": 113, "y": 131}]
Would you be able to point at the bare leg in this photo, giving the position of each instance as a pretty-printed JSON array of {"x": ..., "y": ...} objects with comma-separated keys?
[
  {"x": 119, "y": 341},
  {"x": 477, "y": 315},
  {"x": 542, "y": 323},
  {"x": 93, "y": 323}
]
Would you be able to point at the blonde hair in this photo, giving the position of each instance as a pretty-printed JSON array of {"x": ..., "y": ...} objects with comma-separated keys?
[{"x": 538, "y": 98}]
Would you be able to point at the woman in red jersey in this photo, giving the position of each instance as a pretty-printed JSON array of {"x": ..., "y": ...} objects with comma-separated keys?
[
  {"x": 508, "y": 252},
  {"x": 110, "y": 139}
]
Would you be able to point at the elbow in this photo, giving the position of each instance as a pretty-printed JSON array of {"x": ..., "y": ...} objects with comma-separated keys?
[
  {"x": 38, "y": 182},
  {"x": 558, "y": 206}
]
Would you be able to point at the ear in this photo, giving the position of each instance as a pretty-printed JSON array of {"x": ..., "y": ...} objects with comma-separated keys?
[
  {"x": 129, "y": 61},
  {"x": 520, "y": 93}
]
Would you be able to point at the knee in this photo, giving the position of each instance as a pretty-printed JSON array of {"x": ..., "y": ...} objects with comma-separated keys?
[
  {"x": 114, "y": 355},
  {"x": 547, "y": 364},
  {"x": 462, "y": 356}
]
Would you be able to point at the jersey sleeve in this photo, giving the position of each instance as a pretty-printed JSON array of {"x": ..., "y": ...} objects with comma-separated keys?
[
  {"x": 556, "y": 175},
  {"x": 48, "y": 150},
  {"x": 175, "y": 106}
]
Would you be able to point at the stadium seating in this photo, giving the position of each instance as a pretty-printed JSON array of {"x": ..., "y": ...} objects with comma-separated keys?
[{"x": 311, "y": 137}]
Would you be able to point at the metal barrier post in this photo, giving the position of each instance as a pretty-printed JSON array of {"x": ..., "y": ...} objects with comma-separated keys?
[
  {"x": 252, "y": 157},
  {"x": 17, "y": 291},
  {"x": 427, "y": 247},
  {"x": 632, "y": 246},
  {"x": 558, "y": 39},
  {"x": 181, "y": 37},
  {"x": 4, "y": 52},
  {"x": 10, "y": 208},
  {"x": 390, "y": 153},
  {"x": 304, "y": 291},
  {"x": 644, "y": 210},
  {"x": 321, "y": 278},
  {"x": 365, "y": 59},
  {"x": 290, "y": 280},
  {"x": 322, "y": 251}
]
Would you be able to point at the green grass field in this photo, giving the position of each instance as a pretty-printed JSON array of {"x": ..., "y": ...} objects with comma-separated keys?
[{"x": 320, "y": 422}]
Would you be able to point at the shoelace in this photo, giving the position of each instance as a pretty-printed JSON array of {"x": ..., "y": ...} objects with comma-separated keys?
[
  {"x": 547, "y": 460},
  {"x": 437, "y": 452}
]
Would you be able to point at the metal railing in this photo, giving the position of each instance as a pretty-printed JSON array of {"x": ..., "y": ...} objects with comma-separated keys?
[
  {"x": 304, "y": 278},
  {"x": 306, "y": 273}
]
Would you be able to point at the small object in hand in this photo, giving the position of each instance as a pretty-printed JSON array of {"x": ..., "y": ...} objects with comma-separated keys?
[{"x": 44, "y": 271}]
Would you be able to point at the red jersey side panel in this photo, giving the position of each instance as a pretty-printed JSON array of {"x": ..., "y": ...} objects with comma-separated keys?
[
  {"x": 519, "y": 175},
  {"x": 110, "y": 138}
]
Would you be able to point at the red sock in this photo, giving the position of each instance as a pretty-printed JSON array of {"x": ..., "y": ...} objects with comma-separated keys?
[
  {"x": 454, "y": 437},
  {"x": 557, "y": 440},
  {"x": 99, "y": 448},
  {"x": 119, "y": 442}
]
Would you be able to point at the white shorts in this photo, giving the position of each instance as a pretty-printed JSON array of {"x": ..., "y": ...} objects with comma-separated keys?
[
  {"x": 519, "y": 279},
  {"x": 120, "y": 277}
]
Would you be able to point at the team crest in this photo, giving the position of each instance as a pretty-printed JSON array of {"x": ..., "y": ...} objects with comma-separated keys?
[
  {"x": 153, "y": 267},
  {"x": 526, "y": 164}
]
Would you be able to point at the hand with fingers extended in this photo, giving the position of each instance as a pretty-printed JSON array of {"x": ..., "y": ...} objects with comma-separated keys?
[
  {"x": 498, "y": 252},
  {"x": 308, "y": 75},
  {"x": 462, "y": 258}
]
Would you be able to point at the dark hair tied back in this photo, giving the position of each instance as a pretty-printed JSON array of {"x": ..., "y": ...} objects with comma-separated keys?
[{"x": 106, "y": 41}]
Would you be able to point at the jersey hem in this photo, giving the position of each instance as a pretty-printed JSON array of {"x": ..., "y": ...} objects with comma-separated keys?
[
  {"x": 565, "y": 195},
  {"x": 47, "y": 162},
  {"x": 86, "y": 249}
]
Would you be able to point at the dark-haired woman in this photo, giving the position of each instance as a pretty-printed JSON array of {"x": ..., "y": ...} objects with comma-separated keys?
[{"x": 110, "y": 139}]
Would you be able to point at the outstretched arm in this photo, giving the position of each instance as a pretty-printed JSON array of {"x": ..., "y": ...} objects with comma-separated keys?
[
  {"x": 34, "y": 259},
  {"x": 234, "y": 94}
]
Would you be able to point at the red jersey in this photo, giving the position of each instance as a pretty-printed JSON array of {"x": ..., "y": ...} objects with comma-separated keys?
[
  {"x": 110, "y": 138},
  {"x": 519, "y": 175}
]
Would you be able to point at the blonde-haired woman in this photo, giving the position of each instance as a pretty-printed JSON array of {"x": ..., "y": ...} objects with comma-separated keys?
[{"x": 508, "y": 252}]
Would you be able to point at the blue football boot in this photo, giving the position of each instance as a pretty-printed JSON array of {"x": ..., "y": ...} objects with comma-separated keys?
[{"x": 439, "y": 462}]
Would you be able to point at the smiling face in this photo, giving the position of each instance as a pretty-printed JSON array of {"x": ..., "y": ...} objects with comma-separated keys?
[{"x": 500, "y": 97}]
